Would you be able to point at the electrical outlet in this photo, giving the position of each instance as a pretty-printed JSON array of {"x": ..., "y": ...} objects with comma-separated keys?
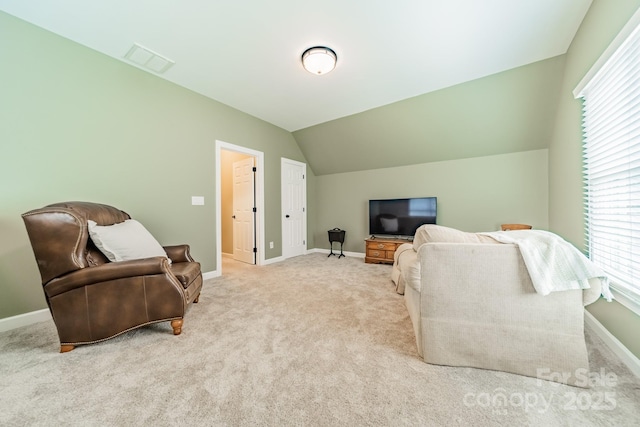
[{"x": 270, "y": 245}]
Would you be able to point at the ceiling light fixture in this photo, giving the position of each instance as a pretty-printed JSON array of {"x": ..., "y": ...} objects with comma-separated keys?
[{"x": 319, "y": 60}]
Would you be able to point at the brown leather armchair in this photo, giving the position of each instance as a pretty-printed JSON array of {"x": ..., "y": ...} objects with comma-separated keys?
[{"x": 92, "y": 299}]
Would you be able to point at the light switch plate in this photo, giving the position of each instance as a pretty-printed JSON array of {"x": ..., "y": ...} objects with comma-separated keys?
[{"x": 197, "y": 200}]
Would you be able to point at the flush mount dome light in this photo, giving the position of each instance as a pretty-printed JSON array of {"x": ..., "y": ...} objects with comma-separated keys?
[{"x": 319, "y": 60}]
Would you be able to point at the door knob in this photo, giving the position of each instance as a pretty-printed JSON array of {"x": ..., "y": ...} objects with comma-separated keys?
[
  {"x": 233, "y": 216},
  {"x": 286, "y": 216}
]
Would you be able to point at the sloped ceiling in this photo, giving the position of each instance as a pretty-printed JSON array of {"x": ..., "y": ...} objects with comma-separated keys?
[
  {"x": 246, "y": 54},
  {"x": 507, "y": 112}
]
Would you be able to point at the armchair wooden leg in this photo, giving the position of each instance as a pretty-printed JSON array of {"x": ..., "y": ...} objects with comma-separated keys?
[
  {"x": 197, "y": 299},
  {"x": 65, "y": 348},
  {"x": 176, "y": 324}
]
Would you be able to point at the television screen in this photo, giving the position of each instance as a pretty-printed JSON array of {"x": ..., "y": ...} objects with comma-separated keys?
[{"x": 400, "y": 217}]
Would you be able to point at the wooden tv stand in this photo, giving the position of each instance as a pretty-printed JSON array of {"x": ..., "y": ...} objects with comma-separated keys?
[{"x": 380, "y": 250}]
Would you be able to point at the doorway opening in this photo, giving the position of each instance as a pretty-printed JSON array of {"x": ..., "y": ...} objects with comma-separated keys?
[{"x": 242, "y": 237}]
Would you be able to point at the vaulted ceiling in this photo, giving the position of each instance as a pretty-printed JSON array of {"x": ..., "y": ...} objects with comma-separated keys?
[{"x": 246, "y": 54}]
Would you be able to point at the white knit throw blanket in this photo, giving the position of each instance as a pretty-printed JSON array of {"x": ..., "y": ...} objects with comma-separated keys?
[{"x": 553, "y": 263}]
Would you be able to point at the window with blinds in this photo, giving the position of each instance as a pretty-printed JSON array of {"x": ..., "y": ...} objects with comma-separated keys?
[{"x": 611, "y": 155}]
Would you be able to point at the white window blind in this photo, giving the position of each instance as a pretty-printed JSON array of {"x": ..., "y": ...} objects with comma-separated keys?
[{"x": 611, "y": 155}]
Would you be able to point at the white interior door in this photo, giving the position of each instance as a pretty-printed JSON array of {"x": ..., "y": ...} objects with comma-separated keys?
[
  {"x": 294, "y": 207},
  {"x": 243, "y": 211}
]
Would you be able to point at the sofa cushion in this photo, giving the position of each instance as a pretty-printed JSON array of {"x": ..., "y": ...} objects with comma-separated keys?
[
  {"x": 431, "y": 233},
  {"x": 125, "y": 241}
]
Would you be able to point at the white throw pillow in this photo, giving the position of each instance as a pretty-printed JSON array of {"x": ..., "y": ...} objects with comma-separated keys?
[{"x": 125, "y": 241}]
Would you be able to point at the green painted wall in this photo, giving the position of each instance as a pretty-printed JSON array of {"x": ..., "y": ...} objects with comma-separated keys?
[
  {"x": 78, "y": 125},
  {"x": 601, "y": 25},
  {"x": 475, "y": 194}
]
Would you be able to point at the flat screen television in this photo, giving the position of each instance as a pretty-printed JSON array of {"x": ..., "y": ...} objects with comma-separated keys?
[{"x": 401, "y": 217}]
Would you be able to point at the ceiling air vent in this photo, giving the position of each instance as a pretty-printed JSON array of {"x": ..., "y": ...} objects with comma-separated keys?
[{"x": 148, "y": 59}]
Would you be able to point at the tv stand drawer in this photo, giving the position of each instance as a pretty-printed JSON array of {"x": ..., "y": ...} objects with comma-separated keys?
[
  {"x": 381, "y": 251},
  {"x": 376, "y": 253},
  {"x": 381, "y": 246}
]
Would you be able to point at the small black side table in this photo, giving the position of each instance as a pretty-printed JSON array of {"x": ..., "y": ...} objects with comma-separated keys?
[{"x": 336, "y": 235}]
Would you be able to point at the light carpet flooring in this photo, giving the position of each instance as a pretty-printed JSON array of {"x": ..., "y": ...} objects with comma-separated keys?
[{"x": 310, "y": 341}]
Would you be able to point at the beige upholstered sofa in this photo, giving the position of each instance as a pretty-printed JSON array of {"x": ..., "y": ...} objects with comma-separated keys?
[{"x": 472, "y": 303}]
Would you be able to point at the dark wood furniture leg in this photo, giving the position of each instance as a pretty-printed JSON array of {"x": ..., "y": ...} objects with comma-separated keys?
[{"x": 176, "y": 324}]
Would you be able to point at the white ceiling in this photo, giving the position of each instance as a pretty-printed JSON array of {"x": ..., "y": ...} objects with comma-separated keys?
[{"x": 246, "y": 53}]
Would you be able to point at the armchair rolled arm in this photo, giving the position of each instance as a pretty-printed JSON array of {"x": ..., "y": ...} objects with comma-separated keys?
[
  {"x": 178, "y": 253},
  {"x": 105, "y": 272}
]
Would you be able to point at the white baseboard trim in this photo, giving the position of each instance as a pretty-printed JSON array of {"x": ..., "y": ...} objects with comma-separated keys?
[
  {"x": 210, "y": 274},
  {"x": 273, "y": 260},
  {"x": 628, "y": 358},
  {"x": 314, "y": 251},
  {"x": 13, "y": 322},
  {"x": 327, "y": 251}
]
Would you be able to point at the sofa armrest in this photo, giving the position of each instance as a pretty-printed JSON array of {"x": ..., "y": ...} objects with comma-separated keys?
[
  {"x": 106, "y": 272},
  {"x": 178, "y": 253},
  {"x": 400, "y": 249}
]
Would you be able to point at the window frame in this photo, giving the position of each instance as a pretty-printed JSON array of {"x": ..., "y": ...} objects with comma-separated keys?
[{"x": 628, "y": 297}]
